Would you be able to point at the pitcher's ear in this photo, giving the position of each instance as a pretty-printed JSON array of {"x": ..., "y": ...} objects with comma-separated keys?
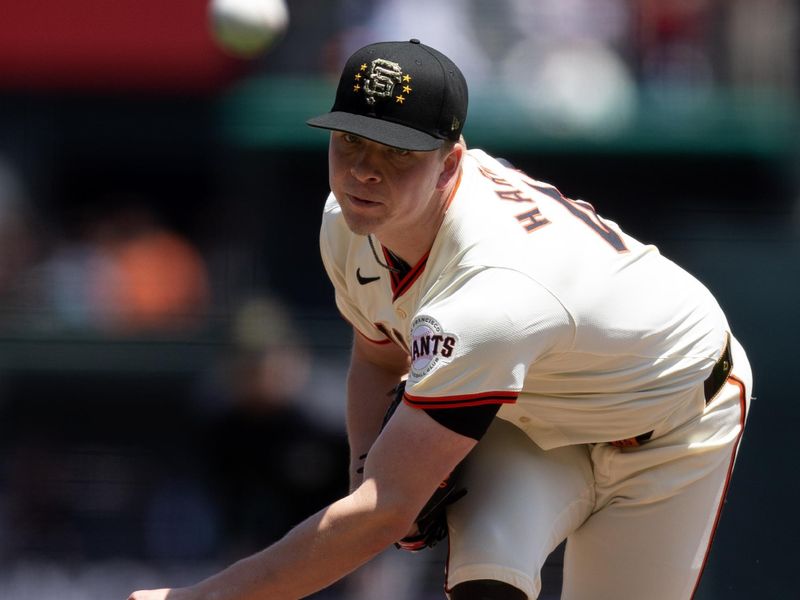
[{"x": 451, "y": 165}]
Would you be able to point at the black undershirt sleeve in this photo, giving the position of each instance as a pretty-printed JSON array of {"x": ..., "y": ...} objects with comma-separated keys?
[{"x": 469, "y": 421}]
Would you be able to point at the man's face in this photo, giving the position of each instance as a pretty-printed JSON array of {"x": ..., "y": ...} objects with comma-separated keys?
[{"x": 380, "y": 188}]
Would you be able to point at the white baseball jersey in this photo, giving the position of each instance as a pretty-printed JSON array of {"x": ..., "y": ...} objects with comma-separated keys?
[{"x": 531, "y": 300}]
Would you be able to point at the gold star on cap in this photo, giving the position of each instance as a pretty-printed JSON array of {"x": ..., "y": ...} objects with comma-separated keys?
[
  {"x": 358, "y": 76},
  {"x": 356, "y": 87},
  {"x": 364, "y": 67},
  {"x": 406, "y": 78},
  {"x": 406, "y": 89},
  {"x": 400, "y": 99}
]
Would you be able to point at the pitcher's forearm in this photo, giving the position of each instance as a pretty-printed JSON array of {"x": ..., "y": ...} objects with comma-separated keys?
[
  {"x": 321, "y": 550},
  {"x": 368, "y": 385}
]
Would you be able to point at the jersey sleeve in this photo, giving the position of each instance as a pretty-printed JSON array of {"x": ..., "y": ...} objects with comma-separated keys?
[
  {"x": 469, "y": 421},
  {"x": 473, "y": 346},
  {"x": 334, "y": 242}
]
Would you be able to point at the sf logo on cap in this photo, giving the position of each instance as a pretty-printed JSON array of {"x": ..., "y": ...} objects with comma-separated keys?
[{"x": 380, "y": 79}]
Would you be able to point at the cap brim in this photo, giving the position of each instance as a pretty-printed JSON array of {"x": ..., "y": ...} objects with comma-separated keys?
[{"x": 378, "y": 130}]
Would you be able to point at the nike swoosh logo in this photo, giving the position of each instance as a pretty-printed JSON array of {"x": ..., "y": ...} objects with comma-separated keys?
[{"x": 364, "y": 280}]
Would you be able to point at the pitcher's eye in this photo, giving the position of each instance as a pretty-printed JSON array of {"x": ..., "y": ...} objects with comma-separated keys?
[
  {"x": 350, "y": 138},
  {"x": 401, "y": 151}
]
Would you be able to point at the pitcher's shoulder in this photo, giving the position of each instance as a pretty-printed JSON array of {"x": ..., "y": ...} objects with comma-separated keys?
[
  {"x": 334, "y": 233},
  {"x": 332, "y": 208}
]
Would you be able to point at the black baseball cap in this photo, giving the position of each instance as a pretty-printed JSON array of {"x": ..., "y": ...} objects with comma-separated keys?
[{"x": 402, "y": 94}]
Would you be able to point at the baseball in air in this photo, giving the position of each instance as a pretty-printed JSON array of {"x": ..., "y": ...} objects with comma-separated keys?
[{"x": 247, "y": 28}]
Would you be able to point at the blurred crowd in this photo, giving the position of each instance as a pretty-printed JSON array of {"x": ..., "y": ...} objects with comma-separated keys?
[
  {"x": 151, "y": 462},
  {"x": 658, "y": 42},
  {"x": 239, "y": 452},
  {"x": 580, "y": 63},
  {"x": 119, "y": 269}
]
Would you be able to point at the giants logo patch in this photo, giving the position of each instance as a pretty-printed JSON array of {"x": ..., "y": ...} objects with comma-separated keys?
[{"x": 429, "y": 345}]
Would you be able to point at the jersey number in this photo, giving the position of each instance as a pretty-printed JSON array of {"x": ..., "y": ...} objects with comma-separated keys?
[{"x": 585, "y": 212}]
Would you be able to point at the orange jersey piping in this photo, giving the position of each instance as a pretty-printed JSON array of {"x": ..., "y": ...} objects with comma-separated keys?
[
  {"x": 743, "y": 408},
  {"x": 496, "y": 397}
]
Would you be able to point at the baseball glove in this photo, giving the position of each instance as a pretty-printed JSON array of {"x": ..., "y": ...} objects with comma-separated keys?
[{"x": 431, "y": 522}]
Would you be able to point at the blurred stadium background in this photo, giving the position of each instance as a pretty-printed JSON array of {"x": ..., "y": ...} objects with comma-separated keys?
[{"x": 171, "y": 360}]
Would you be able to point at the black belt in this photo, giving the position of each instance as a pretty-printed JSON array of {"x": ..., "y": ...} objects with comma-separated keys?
[
  {"x": 719, "y": 374},
  {"x": 711, "y": 387}
]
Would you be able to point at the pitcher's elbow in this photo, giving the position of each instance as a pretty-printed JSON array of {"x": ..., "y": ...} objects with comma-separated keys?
[{"x": 395, "y": 523}]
